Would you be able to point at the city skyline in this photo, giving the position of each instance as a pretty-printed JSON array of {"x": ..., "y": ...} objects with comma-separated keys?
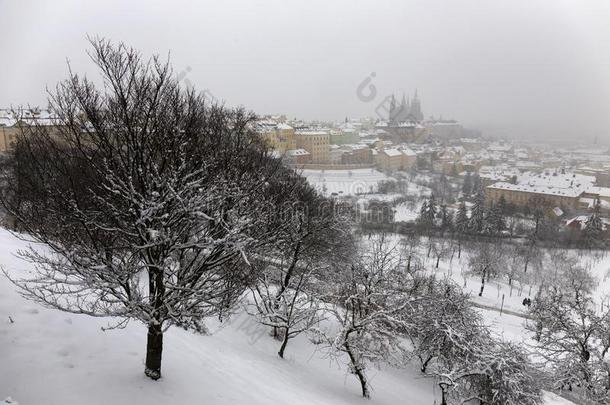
[{"x": 520, "y": 69}]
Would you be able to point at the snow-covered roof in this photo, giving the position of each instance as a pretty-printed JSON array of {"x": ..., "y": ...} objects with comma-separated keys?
[
  {"x": 297, "y": 152},
  {"x": 548, "y": 190},
  {"x": 558, "y": 184},
  {"x": 369, "y": 141},
  {"x": 408, "y": 151},
  {"x": 557, "y": 211},
  {"x": 582, "y": 221},
  {"x": 392, "y": 152},
  {"x": 470, "y": 140},
  {"x": 590, "y": 202},
  {"x": 500, "y": 147},
  {"x": 35, "y": 116},
  {"x": 311, "y": 132},
  {"x": 283, "y": 126},
  {"x": 601, "y": 191}
]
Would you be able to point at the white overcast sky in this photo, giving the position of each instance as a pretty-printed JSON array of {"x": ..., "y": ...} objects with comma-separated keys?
[{"x": 527, "y": 68}]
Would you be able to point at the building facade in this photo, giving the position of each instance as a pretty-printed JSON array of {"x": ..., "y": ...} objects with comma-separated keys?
[
  {"x": 395, "y": 159},
  {"x": 316, "y": 143}
]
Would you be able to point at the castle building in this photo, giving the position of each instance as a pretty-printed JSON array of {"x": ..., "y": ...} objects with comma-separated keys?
[{"x": 407, "y": 111}]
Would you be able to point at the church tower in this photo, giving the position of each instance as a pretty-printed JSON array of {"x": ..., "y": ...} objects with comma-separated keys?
[
  {"x": 392, "y": 112},
  {"x": 403, "y": 114},
  {"x": 415, "y": 109}
]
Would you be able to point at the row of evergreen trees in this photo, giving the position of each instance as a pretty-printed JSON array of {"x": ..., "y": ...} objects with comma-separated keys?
[
  {"x": 472, "y": 183},
  {"x": 490, "y": 220},
  {"x": 483, "y": 220}
]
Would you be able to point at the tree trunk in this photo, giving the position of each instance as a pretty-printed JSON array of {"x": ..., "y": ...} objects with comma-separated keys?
[
  {"x": 459, "y": 249},
  {"x": 284, "y": 344},
  {"x": 424, "y": 364},
  {"x": 154, "y": 344},
  {"x": 154, "y": 348},
  {"x": 482, "y": 284},
  {"x": 438, "y": 259},
  {"x": 358, "y": 371}
]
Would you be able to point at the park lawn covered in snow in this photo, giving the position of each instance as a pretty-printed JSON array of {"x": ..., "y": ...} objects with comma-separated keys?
[
  {"x": 344, "y": 182},
  {"x": 51, "y": 357}
]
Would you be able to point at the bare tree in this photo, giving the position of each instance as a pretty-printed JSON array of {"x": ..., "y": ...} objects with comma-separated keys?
[
  {"x": 492, "y": 373},
  {"x": 572, "y": 336},
  {"x": 312, "y": 235},
  {"x": 410, "y": 248},
  {"x": 440, "y": 248},
  {"x": 291, "y": 313},
  {"x": 456, "y": 348},
  {"x": 147, "y": 197},
  {"x": 441, "y": 314},
  {"x": 487, "y": 260},
  {"x": 368, "y": 304}
]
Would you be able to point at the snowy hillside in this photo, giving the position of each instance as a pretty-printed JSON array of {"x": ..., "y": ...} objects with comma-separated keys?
[{"x": 49, "y": 357}]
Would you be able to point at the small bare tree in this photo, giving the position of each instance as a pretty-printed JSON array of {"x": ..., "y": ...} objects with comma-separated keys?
[
  {"x": 312, "y": 234},
  {"x": 572, "y": 335},
  {"x": 454, "y": 346},
  {"x": 440, "y": 315},
  {"x": 487, "y": 260},
  {"x": 492, "y": 373},
  {"x": 369, "y": 301},
  {"x": 290, "y": 312}
]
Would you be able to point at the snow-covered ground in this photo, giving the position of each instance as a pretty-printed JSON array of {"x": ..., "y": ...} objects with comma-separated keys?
[
  {"x": 407, "y": 211},
  {"x": 50, "y": 357},
  {"x": 345, "y": 182}
]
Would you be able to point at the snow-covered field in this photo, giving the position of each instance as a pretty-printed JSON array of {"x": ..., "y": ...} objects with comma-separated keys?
[
  {"x": 345, "y": 182},
  {"x": 407, "y": 211},
  {"x": 50, "y": 357}
]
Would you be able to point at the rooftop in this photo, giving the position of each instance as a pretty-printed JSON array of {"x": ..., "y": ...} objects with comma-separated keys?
[{"x": 558, "y": 184}]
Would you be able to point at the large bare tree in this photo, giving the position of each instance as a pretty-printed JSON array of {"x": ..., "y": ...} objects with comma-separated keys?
[{"x": 148, "y": 198}]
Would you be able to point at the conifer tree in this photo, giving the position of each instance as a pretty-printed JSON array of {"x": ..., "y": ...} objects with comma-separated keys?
[
  {"x": 445, "y": 217},
  {"x": 476, "y": 183},
  {"x": 461, "y": 218},
  {"x": 432, "y": 210},
  {"x": 503, "y": 205},
  {"x": 476, "y": 223},
  {"x": 467, "y": 185},
  {"x": 428, "y": 212},
  {"x": 592, "y": 234},
  {"x": 494, "y": 221}
]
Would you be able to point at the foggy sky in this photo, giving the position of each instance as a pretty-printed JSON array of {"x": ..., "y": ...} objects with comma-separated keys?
[{"x": 524, "y": 68}]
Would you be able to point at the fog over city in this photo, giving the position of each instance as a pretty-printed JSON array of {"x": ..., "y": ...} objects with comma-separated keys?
[
  {"x": 287, "y": 202},
  {"x": 523, "y": 68}
]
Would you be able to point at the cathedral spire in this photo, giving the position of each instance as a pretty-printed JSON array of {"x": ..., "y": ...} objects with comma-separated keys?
[
  {"x": 392, "y": 112},
  {"x": 415, "y": 109}
]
